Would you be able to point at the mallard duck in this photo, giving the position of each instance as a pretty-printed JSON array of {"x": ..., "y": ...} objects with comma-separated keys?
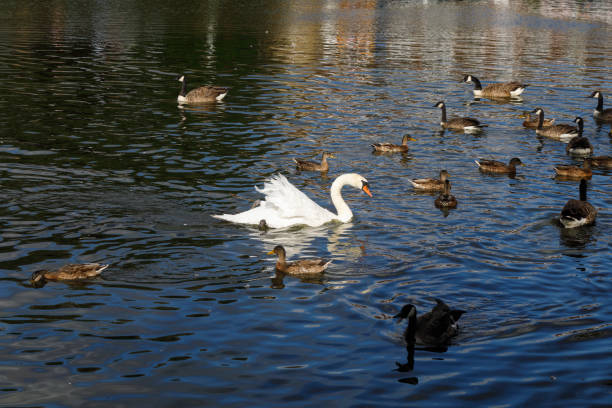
[
  {"x": 578, "y": 212},
  {"x": 575, "y": 171},
  {"x": 446, "y": 200},
  {"x": 431, "y": 184},
  {"x": 533, "y": 123},
  {"x": 600, "y": 161},
  {"x": 390, "y": 147},
  {"x": 600, "y": 113},
  {"x": 468, "y": 125},
  {"x": 313, "y": 166},
  {"x": 201, "y": 94},
  {"x": 302, "y": 267},
  {"x": 498, "y": 90},
  {"x": 285, "y": 205},
  {"x": 494, "y": 166},
  {"x": 561, "y": 132},
  {"x": 66, "y": 272},
  {"x": 434, "y": 328}
]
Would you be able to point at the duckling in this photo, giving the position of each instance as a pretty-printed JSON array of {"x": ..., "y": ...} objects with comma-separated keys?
[
  {"x": 302, "y": 267},
  {"x": 263, "y": 226},
  {"x": 66, "y": 272},
  {"x": 498, "y": 90},
  {"x": 494, "y": 166},
  {"x": 600, "y": 161},
  {"x": 201, "y": 94},
  {"x": 434, "y": 328},
  {"x": 313, "y": 166},
  {"x": 600, "y": 113},
  {"x": 561, "y": 132},
  {"x": 390, "y": 147},
  {"x": 574, "y": 171},
  {"x": 446, "y": 200},
  {"x": 578, "y": 212},
  {"x": 431, "y": 184},
  {"x": 465, "y": 124},
  {"x": 533, "y": 123}
]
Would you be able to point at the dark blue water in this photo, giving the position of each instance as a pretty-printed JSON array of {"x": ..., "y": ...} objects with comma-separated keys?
[{"x": 99, "y": 164}]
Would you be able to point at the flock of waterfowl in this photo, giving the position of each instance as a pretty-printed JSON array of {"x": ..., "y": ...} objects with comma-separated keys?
[{"x": 284, "y": 205}]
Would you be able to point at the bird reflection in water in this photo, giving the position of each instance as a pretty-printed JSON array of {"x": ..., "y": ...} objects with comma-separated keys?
[{"x": 433, "y": 330}]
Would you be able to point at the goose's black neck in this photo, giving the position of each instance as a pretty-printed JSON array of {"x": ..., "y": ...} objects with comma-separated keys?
[
  {"x": 599, "y": 107},
  {"x": 443, "y": 113},
  {"x": 580, "y": 124},
  {"x": 476, "y": 82},
  {"x": 183, "y": 88},
  {"x": 410, "y": 333},
  {"x": 583, "y": 188},
  {"x": 540, "y": 119}
]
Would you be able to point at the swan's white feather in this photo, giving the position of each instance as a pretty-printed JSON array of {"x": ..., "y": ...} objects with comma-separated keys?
[{"x": 284, "y": 205}]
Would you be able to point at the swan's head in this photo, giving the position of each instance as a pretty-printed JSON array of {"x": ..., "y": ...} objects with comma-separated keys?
[
  {"x": 515, "y": 161},
  {"x": 407, "y": 311},
  {"x": 37, "y": 280},
  {"x": 439, "y": 105},
  {"x": 278, "y": 251},
  {"x": 359, "y": 182}
]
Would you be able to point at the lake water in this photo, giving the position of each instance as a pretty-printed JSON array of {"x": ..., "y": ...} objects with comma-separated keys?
[{"x": 99, "y": 164}]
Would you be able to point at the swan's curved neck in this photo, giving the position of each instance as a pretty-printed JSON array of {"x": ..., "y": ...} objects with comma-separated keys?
[{"x": 344, "y": 212}]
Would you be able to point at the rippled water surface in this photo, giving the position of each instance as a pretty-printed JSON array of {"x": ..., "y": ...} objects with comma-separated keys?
[{"x": 99, "y": 164}]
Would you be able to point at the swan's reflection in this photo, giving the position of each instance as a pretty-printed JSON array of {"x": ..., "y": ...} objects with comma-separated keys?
[{"x": 297, "y": 240}]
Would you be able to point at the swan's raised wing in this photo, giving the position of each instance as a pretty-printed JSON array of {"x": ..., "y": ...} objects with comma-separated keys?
[{"x": 284, "y": 205}]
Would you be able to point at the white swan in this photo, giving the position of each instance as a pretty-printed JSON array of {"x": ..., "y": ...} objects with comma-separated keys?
[{"x": 285, "y": 205}]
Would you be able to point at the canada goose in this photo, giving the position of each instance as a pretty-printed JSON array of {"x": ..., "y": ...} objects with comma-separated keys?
[
  {"x": 533, "y": 123},
  {"x": 468, "y": 125},
  {"x": 434, "y": 328},
  {"x": 579, "y": 145},
  {"x": 600, "y": 161},
  {"x": 431, "y": 184},
  {"x": 390, "y": 147},
  {"x": 446, "y": 200},
  {"x": 578, "y": 212},
  {"x": 600, "y": 113},
  {"x": 66, "y": 272},
  {"x": 301, "y": 267},
  {"x": 498, "y": 90},
  {"x": 575, "y": 171},
  {"x": 201, "y": 94},
  {"x": 313, "y": 166},
  {"x": 561, "y": 132},
  {"x": 494, "y": 166}
]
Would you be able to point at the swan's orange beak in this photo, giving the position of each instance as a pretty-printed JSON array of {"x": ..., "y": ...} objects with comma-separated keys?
[{"x": 366, "y": 190}]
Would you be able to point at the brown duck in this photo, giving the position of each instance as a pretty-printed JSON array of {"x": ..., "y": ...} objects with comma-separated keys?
[
  {"x": 301, "y": 267},
  {"x": 314, "y": 166},
  {"x": 66, "y": 272},
  {"x": 431, "y": 184},
  {"x": 446, "y": 200},
  {"x": 575, "y": 171},
  {"x": 494, "y": 166},
  {"x": 390, "y": 147}
]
